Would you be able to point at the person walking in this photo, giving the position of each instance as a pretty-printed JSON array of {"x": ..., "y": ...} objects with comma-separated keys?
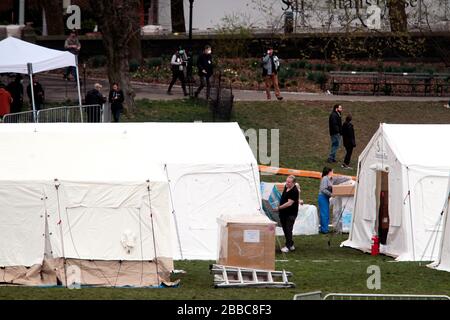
[
  {"x": 325, "y": 193},
  {"x": 271, "y": 65},
  {"x": 205, "y": 71},
  {"x": 178, "y": 64},
  {"x": 335, "y": 128},
  {"x": 116, "y": 98},
  {"x": 94, "y": 99},
  {"x": 15, "y": 88},
  {"x": 288, "y": 210},
  {"x": 348, "y": 137}
]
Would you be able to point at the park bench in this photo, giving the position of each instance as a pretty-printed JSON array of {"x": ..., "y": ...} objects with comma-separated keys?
[
  {"x": 413, "y": 84},
  {"x": 441, "y": 84},
  {"x": 354, "y": 82}
]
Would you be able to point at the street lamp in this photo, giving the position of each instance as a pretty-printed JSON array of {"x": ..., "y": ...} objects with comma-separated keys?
[{"x": 189, "y": 68}]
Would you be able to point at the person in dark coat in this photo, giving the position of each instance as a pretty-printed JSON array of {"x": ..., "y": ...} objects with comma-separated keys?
[
  {"x": 39, "y": 95},
  {"x": 288, "y": 210},
  {"x": 95, "y": 99},
  {"x": 15, "y": 88},
  {"x": 335, "y": 127},
  {"x": 116, "y": 98},
  {"x": 348, "y": 136},
  {"x": 205, "y": 71}
]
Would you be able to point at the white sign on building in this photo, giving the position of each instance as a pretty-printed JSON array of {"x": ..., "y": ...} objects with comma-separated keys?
[{"x": 310, "y": 15}]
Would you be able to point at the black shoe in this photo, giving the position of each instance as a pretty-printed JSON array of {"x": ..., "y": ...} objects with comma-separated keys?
[
  {"x": 186, "y": 94},
  {"x": 169, "y": 93},
  {"x": 280, "y": 98},
  {"x": 196, "y": 95}
]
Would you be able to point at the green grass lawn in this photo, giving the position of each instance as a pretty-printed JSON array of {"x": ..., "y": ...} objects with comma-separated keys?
[{"x": 304, "y": 144}]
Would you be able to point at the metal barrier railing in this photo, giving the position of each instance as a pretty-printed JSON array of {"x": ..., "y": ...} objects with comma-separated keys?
[
  {"x": 363, "y": 296},
  {"x": 85, "y": 113},
  {"x": 19, "y": 117},
  {"x": 317, "y": 295}
]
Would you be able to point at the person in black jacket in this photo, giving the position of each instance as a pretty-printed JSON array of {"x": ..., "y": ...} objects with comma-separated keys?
[
  {"x": 205, "y": 70},
  {"x": 38, "y": 93},
  {"x": 95, "y": 100},
  {"x": 348, "y": 135},
  {"x": 335, "y": 126},
  {"x": 288, "y": 210},
  {"x": 116, "y": 98}
]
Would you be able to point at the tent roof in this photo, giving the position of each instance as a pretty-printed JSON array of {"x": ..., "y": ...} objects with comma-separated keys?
[
  {"x": 104, "y": 152},
  {"x": 15, "y": 54},
  {"x": 419, "y": 144}
]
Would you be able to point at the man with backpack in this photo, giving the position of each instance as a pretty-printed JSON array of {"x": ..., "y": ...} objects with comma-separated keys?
[
  {"x": 271, "y": 65},
  {"x": 178, "y": 64}
]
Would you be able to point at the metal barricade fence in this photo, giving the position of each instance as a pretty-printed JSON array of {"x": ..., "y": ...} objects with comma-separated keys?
[
  {"x": 317, "y": 295},
  {"x": 362, "y": 296},
  {"x": 85, "y": 113},
  {"x": 19, "y": 117}
]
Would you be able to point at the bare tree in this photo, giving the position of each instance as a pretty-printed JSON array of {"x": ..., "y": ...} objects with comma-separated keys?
[
  {"x": 118, "y": 22},
  {"x": 397, "y": 16},
  {"x": 177, "y": 12}
]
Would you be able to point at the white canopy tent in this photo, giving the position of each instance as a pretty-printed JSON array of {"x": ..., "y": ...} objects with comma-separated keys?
[
  {"x": 411, "y": 166},
  {"x": 18, "y": 56},
  {"x": 443, "y": 260},
  {"x": 92, "y": 185}
]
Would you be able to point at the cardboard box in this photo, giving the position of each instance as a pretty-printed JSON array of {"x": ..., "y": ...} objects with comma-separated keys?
[
  {"x": 247, "y": 241},
  {"x": 343, "y": 190}
]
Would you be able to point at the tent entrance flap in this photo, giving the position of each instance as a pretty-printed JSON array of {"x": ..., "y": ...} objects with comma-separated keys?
[{"x": 382, "y": 196}]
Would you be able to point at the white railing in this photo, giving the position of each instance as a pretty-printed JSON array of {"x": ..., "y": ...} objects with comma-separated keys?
[
  {"x": 85, "y": 113},
  {"x": 19, "y": 117}
]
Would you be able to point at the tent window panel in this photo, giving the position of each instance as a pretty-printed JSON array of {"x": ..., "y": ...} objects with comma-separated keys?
[
  {"x": 367, "y": 193},
  {"x": 107, "y": 234},
  {"x": 395, "y": 200},
  {"x": 103, "y": 196},
  {"x": 22, "y": 225},
  {"x": 211, "y": 195},
  {"x": 429, "y": 198}
]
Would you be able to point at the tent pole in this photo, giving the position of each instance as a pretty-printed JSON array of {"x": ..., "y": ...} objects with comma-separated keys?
[
  {"x": 57, "y": 184},
  {"x": 173, "y": 212},
  {"x": 79, "y": 89},
  {"x": 153, "y": 233},
  {"x": 410, "y": 215},
  {"x": 30, "y": 74}
]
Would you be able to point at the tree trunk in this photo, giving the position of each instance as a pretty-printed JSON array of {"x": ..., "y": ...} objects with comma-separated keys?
[
  {"x": 54, "y": 16},
  {"x": 134, "y": 47},
  {"x": 117, "y": 22},
  {"x": 177, "y": 12},
  {"x": 397, "y": 16}
]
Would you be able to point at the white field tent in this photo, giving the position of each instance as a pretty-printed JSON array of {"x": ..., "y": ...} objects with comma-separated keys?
[
  {"x": 111, "y": 197},
  {"x": 443, "y": 260},
  {"x": 18, "y": 56},
  {"x": 411, "y": 165}
]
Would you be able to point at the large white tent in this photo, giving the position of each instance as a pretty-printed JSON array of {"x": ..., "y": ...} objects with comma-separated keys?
[
  {"x": 410, "y": 166},
  {"x": 18, "y": 56},
  {"x": 125, "y": 192},
  {"x": 443, "y": 260}
]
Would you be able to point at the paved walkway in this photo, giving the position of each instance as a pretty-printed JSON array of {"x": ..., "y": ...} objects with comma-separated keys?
[{"x": 59, "y": 90}]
